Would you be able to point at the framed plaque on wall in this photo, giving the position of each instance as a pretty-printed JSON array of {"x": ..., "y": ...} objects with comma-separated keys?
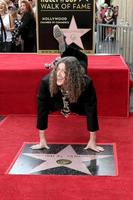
[{"x": 76, "y": 19}]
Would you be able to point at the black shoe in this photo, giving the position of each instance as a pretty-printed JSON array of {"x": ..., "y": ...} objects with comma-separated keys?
[
  {"x": 48, "y": 65},
  {"x": 59, "y": 36},
  {"x": 52, "y": 64}
]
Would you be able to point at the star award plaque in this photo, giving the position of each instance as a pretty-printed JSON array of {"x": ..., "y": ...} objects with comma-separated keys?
[{"x": 75, "y": 18}]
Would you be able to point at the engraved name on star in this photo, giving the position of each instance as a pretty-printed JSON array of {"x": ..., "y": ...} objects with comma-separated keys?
[{"x": 68, "y": 155}]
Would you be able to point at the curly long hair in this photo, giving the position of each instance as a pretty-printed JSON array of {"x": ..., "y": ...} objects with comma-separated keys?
[{"x": 74, "y": 80}]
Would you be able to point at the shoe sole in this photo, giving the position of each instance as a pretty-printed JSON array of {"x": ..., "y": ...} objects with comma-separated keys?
[{"x": 59, "y": 36}]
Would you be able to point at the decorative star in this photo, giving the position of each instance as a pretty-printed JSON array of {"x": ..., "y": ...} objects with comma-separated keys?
[
  {"x": 73, "y": 34},
  {"x": 75, "y": 161}
]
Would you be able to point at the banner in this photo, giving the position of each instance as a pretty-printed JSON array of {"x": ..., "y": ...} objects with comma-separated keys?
[{"x": 75, "y": 18}]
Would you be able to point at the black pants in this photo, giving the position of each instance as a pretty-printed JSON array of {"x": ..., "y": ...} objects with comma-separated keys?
[
  {"x": 82, "y": 58},
  {"x": 29, "y": 45},
  {"x": 5, "y": 47}
]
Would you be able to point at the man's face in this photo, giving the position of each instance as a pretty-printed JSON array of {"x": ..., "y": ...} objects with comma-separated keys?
[{"x": 61, "y": 74}]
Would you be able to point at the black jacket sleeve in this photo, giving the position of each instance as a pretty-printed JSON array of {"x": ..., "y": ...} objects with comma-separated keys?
[
  {"x": 90, "y": 105},
  {"x": 43, "y": 100}
]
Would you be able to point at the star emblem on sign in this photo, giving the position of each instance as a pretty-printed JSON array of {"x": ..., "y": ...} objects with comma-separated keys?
[
  {"x": 73, "y": 33},
  {"x": 67, "y": 157}
]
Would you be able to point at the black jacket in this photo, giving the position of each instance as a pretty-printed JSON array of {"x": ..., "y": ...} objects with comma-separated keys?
[
  {"x": 86, "y": 104},
  {"x": 28, "y": 28}
]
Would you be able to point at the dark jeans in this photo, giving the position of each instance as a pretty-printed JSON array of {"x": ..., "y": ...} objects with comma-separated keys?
[{"x": 82, "y": 58}]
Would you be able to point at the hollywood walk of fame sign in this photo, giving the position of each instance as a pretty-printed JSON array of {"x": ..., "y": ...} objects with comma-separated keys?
[
  {"x": 64, "y": 159},
  {"x": 75, "y": 18}
]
